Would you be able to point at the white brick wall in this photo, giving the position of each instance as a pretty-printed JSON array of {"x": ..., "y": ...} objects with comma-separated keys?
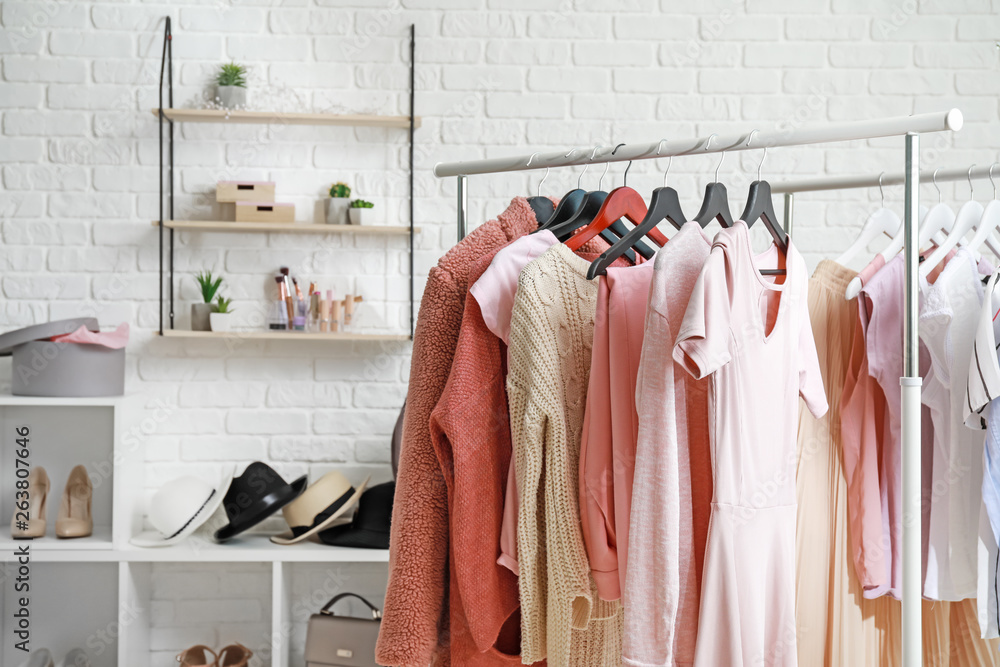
[{"x": 79, "y": 150}]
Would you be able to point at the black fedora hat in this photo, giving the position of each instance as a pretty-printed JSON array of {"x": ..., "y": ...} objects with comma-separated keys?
[
  {"x": 370, "y": 528},
  {"x": 255, "y": 495}
]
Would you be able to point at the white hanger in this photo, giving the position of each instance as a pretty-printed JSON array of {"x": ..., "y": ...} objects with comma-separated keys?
[
  {"x": 970, "y": 214},
  {"x": 882, "y": 221},
  {"x": 989, "y": 223}
]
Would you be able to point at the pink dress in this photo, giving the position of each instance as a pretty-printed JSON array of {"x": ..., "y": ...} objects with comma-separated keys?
[
  {"x": 610, "y": 428},
  {"x": 754, "y": 338}
]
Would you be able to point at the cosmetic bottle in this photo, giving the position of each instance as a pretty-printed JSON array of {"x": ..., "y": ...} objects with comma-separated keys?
[{"x": 277, "y": 317}]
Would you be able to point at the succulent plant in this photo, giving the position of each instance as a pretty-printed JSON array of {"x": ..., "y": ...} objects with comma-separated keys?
[
  {"x": 224, "y": 304},
  {"x": 209, "y": 285},
  {"x": 361, "y": 203},
  {"x": 232, "y": 74},
  {"x": 340, "y": 190}
]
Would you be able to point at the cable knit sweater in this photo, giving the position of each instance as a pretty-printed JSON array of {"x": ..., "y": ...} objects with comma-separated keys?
[
  {"x": 551, "y": 336},
  {"x": 413, "y": 627}
]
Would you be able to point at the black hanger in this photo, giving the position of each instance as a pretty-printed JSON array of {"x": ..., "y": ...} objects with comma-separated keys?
[
  {"x": 663, "y": 205},
  {"x": 760, "y": 206},
  {"x": 716, "y": 203},
  {"x": 569, "y": 204}
]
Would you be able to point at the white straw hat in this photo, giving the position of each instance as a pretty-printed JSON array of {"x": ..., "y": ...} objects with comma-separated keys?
[{"x": 180, "y": 507}]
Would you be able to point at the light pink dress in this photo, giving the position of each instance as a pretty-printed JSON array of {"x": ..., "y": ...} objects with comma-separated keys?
[
  {"x": 672, "y": 487},
  {"x": 754, "y": 338},
  {"x": 611, "y": 424}
]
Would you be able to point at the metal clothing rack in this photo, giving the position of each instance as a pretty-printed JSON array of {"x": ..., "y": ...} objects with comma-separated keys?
[{"x": 910, "y": 127}]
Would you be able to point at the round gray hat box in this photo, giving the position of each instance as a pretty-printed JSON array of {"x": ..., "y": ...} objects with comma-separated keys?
[{"x": 43, "y": 368}]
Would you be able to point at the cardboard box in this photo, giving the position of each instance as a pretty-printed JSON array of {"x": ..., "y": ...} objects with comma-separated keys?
[
  {"x": 234, "y": 191},
  {"x": 248, "y": 211}
]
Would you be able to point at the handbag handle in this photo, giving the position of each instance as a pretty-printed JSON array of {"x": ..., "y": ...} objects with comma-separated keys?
[{"x": 376, "y": 613}]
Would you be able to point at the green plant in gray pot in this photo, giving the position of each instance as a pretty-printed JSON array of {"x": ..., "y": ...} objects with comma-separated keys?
[
  {"x": 336, "y": 205},
  {"x": 222, "y": 318},
  {"x": 231, "y": 86},
  {"x": 361, "y": 212},
  {"x": 200, "y": 312}
]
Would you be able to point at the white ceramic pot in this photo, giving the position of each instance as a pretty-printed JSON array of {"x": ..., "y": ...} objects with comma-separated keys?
[
  {"x": 361, "y": 216},
  {"x": 200, "y": 316},
  {"x": 221, "y": 321},
  {"x": 231, "y": 97},
  {"x": 336, "y": 210}
]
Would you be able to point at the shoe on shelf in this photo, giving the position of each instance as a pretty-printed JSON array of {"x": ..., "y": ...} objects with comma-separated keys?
[
  {"x": 76, "y": 658},
  {"x": 38, "y": 496},
  {"x": 197, "y": 656},
  {"x": 75, "y": 518},
  {"x": 40, "y": 658},
  {"x": 235, "y": 655}
]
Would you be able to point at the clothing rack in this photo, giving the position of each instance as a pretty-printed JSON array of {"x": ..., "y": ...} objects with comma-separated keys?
[{"x": 910, "y": 127}]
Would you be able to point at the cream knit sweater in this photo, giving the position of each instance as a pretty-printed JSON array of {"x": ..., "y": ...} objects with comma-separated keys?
[{"x": 552, "y": 331}]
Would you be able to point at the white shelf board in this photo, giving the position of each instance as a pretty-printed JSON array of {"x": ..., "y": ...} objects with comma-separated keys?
[
  {"x": 66, "y": 402},
  {"x": 99, "y": 541},
  {"x": 285, "y": 118},
  {"x": 283, "y": 227},
  {"x": 281, "y": 335}
]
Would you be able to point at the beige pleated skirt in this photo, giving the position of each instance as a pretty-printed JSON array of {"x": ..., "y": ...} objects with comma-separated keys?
[{"x": 835, "y": 625}]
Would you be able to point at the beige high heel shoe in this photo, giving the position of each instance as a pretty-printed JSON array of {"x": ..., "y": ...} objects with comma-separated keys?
[
  {"x": 198, "y": 656},
  {"x": 75, "y": 518},
  {"x": 235, "y": 655},
  {"x": 38, "y": 496}
]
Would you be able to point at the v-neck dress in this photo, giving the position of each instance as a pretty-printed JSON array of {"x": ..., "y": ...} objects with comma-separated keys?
[{"x": 753, "y": 338}]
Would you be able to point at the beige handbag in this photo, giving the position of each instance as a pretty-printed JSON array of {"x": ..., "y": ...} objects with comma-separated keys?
[{"x": 342, "y": 641}]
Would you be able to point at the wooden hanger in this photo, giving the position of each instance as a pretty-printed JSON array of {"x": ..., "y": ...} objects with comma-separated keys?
[
  {"x": 663, "y": 205},
  {"x": 715, "y": 206},
  {"x": 621, "y": 202}
]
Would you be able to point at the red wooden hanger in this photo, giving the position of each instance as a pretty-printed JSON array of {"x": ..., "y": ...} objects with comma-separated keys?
[{"x": 621, "y": 202}]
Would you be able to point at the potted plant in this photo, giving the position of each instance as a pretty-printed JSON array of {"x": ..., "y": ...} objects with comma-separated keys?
[
  {"x": 231, "y": 89},
  {"x": 336, "y": 205},
  {"x": 222, "y": 318},
  {"x": 209, "y": 284},
  {"x": 361, "y": 212}
]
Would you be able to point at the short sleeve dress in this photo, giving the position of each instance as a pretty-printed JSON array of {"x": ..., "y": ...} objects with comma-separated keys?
[{"x": 752, "y": 336}]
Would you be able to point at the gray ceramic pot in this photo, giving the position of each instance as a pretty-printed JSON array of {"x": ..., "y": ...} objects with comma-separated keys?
[
  {"x": 200, "y": 312},
  {"x": 231, "y": 96}
]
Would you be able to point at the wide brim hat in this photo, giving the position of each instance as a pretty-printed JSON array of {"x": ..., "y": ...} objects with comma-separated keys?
[
  {"x": 180, "y": 507},
  {"x": 247, "y": 505},
  {"x": 370, "y": 528},
  {"x": 321, "y": 506}
]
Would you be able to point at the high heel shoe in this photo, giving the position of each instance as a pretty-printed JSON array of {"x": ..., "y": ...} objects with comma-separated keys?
[
  {"x": 75, "y": 518},
  {"x": 40, "y": 658},
  {"x": 197, "y": 656},
  {"x": 235, "y": 655},
  {"x": 76, "y": 658},
  {"x": 38, "y": 495}
]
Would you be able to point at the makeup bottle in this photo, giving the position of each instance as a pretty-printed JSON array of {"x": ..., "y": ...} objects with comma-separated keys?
[
  {"x": 348, "y": 310},
  {"x": 277, "y": 317},
  {"x": 324, "y": 312},
  {"x": 314, "y": 311},
  {"x": 335, "y": 315}
]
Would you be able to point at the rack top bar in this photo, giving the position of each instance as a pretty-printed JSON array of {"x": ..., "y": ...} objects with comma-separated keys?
[
  {"x": 894, "y": 178},
  {"x": 867, "y": 129}
]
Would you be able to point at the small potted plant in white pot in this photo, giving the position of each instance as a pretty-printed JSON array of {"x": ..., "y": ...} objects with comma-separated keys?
[
  {"x": 231, "y": 89},
  {"x": 209, "y": 284},
  {"x": 361, "y": 212},
  {"x": 222, "y": 318},
  {"x": 336, "y": 205}
]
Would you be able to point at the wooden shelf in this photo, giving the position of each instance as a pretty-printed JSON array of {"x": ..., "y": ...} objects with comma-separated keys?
[
  {"x": 285, "y": 118},
  {"x": 282, "y": 335},
  {"x": 283, "y": 227}
]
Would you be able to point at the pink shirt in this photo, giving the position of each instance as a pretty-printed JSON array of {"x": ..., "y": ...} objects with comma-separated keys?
[
  {"x": 672, "y": 487},
  {"x": 495, "y": 291},
  {"x": 610, "y": 428}
]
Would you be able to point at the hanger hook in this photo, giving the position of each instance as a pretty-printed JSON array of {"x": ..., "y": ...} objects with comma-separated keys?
[
  {"x": 762, "y": 157},
  {"x": 670, "y": 159},
  {"x": 579, "y": 179},
  {"x": 571, "y": 151},
  {"x": 991, "y": 180},
  {"x": 971, "y": 191},
  {"x": 530, "y": 159},
  {"x": 934, "y": 180},
  {"x": 723, "y": 159},
  {"x": 625, "y": 176},
  {"x": 607, "y": 165},
  {"x": 538, "y": 190},
  {"x": 880, "y": 191}
]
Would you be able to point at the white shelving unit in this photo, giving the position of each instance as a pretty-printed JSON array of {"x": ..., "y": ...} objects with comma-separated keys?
[{"x": 105, "y": 585}]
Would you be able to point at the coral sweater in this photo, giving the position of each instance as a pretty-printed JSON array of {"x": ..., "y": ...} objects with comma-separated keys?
[{"x": 418, "y": 554}]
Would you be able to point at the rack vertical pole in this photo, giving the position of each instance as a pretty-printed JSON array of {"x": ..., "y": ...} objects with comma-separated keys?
[
  {"x": 463, "y": 205},
  {"x": 413, "y": 40},
  {"x": 789, "y": 212},
  {"x": 170, "y": 122},
  {"x": 910, "y": 390},
  {"x": 159, "y": 180}
]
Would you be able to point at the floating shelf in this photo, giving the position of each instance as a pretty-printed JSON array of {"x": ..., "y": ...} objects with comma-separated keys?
[
  {"x": 283, "y": 227},
  {"x": 99, "y": 541},
  {"x": 282, "y": 335},
  {"x": 284, "y": 118},
  {"x": 60, "y": 402}
]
